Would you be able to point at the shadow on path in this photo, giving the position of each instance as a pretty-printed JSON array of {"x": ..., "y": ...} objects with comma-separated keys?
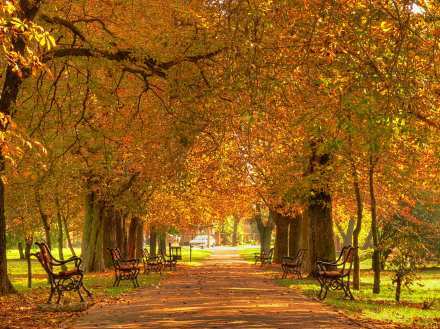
[{"x": 225, "y": 292}]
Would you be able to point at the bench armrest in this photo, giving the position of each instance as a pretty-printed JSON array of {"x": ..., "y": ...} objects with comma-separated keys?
[{"x": 74, "y": 259}]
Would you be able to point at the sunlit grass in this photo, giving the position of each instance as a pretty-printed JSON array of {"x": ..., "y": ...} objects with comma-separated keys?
[
  {"x": 378, "y": 306},
  {"x": 197, "y": 256},
  {"x": 248, "y": 254},
  {"x": 101, "y": 284},
  {"x": 382, "y": 306}
]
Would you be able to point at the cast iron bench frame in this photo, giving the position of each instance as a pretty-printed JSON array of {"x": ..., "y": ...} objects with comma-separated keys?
[
  {"x": 293, "y": 265},
  {"x": 125, "y": 269},
  {"x": 336, "y": 275},
  {"x": 67, "y": 280},
  {"x": 264, "y": 257},
  {"x": 151, "y": 263}
]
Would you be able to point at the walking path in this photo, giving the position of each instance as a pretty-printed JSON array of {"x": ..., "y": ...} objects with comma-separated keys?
[{"x": 225, "y": 292}]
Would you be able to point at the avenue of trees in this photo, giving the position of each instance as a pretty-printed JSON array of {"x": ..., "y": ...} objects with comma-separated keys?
[{"x": 124, "y": 117}]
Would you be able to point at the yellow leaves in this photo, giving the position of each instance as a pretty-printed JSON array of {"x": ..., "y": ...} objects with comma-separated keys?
[
  {"x": 9, "y": 7},
  {"x": 45, "y": 40},
  {"x": 385, "y": 26}
]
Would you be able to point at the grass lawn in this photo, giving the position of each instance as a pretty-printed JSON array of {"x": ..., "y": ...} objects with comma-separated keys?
[
  {"x": 100, "y": 283},
  {"x": 197, "y": 256},
  {"x": 382, "y": 306},
  {"x": 248, "y": 254}
]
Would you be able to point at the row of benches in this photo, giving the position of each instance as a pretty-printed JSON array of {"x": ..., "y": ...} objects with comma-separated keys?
[
  {"x": 62, "y": 279},
  {"x": 331, "y": 275}
]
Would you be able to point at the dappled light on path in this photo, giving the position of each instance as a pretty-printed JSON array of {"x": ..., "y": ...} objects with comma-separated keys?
[{"x": 225, "y": 292}]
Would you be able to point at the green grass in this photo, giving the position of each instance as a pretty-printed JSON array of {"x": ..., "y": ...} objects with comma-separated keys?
[
  {"x": 99, "y": 283},
  {"x": 248, "y": 254},
  {"x": 382, "y": 306},
  {"x": 197, "y": 256}
]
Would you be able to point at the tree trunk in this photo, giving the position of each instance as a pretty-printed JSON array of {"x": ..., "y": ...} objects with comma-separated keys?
[
  {"x": 357, "y": 229},
  {"x": 398, "y": 287},
  {"x": 347, "y": 236},
  {"x": 29, "y": 241},
  {"x": 264, "y": 230},
  {"x": 20, "y": 250},
  {"x": 153, "y": 240},
  {"x": 109, "y": 239},
  {"x": 43, "y": 217},
  {"x": 281, "y": 237},
  {"x": 235, "y": 231},
  {"x": 135, "y": 238},
  {"x": 120, "y": 232},
  {"x": 139, "y": 239},
  {"x": 69, "y": 241},
  {"x": 368, "y": 243},
  {"x": 294, "y": 236},
  {"x": 60, "y": 230},
  {"x": 374, "y": 230},
  {"x": 5, "y": 285},
  {"x": 322, "y": 243},
  {"x": 162, "y": 242},
  {"x": 93, "y": 234}
]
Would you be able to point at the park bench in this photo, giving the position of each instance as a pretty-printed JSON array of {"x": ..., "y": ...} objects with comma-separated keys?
[
  {"x": 335, "y": 275},
  {"x": 151, "y": 263},
  {"x": 61, "y": 278},
  {"x": 168, "y": 261},
  {"x": 125, "y": 269},
  {"x": 264, "y": 257},
  {"x": 293, "y": 265}
]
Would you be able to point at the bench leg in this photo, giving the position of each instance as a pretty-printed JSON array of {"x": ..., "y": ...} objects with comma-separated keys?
[
  {"x": 347, "y": 291},
  {"x": 79, "y": 294},
  {"x": 89, "y": 294}
]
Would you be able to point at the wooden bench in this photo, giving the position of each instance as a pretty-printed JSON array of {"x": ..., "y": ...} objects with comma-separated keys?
[
  {"x": 151, "y": 263},
  {"x": 336, "y": 275},
  {"x": 125, "y": 269},
  {"x": 264, "y": 258},
  {"x": 63, "y": 279},
  {"x": 293, "y": 265}
]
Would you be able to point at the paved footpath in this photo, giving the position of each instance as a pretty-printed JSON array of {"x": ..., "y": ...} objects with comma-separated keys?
[{"x": 225, "y": 292}]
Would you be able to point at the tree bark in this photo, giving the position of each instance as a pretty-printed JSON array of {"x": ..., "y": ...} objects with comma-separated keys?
[
  {"x": 109, "y": 239},
  {"x": 374, "y": 229},
  {"x": 281, "y": 237},
  {"x": 321, "y": 241},
  {"x": 294, "y": 236},
  {"x": 29, "y": 241},
  {"x": 93, "y": 232},
  {"x": 120, "y": 232},
  {"x": 357, "y": 229},
  {"x": 235, "y": 231},
  {"x": 139, "y": 239},
  {"x": 43, "y": 217},
  {"x": 264, "y": 230},
  {"x": 162, "y": 242},
  {"x": 5, "y": 285},
  {"x": 60, "y": 229},
  {"x": 153, "y": 240},
  {"x": 135, "y": 238},
  {"x": 69, "y": 241},
  {"x": 20, "y": 250},
  {"x": 322, "y": 244}
]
